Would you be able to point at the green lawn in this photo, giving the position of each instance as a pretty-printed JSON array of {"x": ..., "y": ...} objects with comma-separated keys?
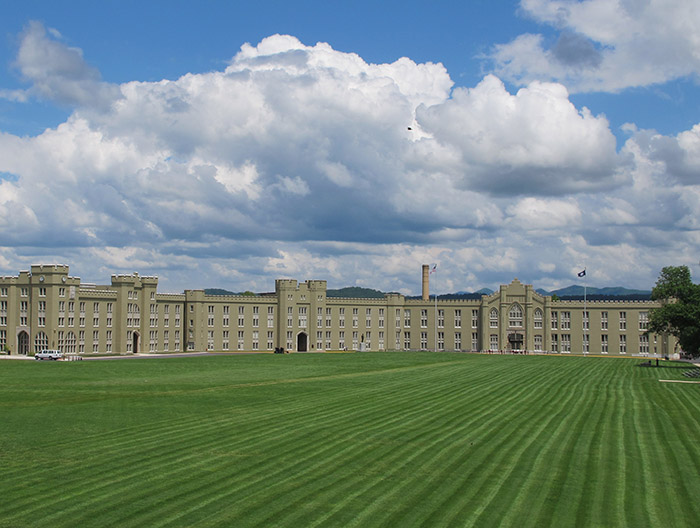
[{"x": 366, "y": 439}]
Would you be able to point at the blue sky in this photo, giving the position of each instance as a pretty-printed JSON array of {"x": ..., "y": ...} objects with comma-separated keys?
[{"x": 228, "y": 144}]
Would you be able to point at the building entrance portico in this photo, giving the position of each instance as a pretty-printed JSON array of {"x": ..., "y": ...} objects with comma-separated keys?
[
  {"x": 302, "y": 342},
  {"x": 23, "y": 343},
  {"x": 516, "y": 341}
]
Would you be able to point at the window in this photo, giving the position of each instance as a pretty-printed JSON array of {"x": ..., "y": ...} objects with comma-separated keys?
[
  {"x": 42, "y": 292},
  {"x": 424, "y": 318},
  {"x": 538, "y": 343},
  {"x": 475, "y": 341},
  {"x": 537, "y": 318},
  {"x": 493, "y": 319},
  {"x": 368, "y": 317},
  {"x": 623, "y": 320},
  {"x": 424, "y": 340},
  {"x": 458, "y": 318},
  {"x": 644, "y": 322},
  {"x": 603, "y": 320},
  {"x": 644, "y": 345},
  {"x": 555, "y": 343},
  {"x": 41, "y": 342},
  {"x": 407, "y": 340},
  {"x": 398, "y": 321},
  {"x": 341, "y": 340},
  {"x": 475, "y": 318},
  {"x": 441, "y": 341},
  {"x": 270, "y": 316},
  {"x": 381, "y": 319},
  {"x": 381, "y": 341},
  {"x": 604, "y": 344},
  {"x": 493, "y": 342},
  {"x": 256, "y": 317},
  {"x": 515, "y": 316},
  {"x": 566, "y": 321},
  {"x": 555, "y": 320},
  {"x": 566, "y": 343},
  {"x": 623, "y": 344},
  {"x": 458, "y": 340},
  {"x": 585, "y": 344},
  {"x": 302, "y": 316},
  {"x": 586, "y": 318},
  {"x": 441, "y": 318},
  {"x": 407, "y": 319},
  {"x": 355, "y": 323}
]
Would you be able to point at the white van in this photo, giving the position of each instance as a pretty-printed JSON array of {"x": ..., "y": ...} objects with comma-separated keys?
[{"x": 48, "y": 354}]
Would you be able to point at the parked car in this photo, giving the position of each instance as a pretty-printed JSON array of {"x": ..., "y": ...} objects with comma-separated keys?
[{"x": 48, "y": 354}]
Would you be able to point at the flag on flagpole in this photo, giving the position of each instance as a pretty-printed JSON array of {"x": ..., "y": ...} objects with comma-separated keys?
[
  {"x": 582, "y": 273},
  {"x": 433, "y": 268}
]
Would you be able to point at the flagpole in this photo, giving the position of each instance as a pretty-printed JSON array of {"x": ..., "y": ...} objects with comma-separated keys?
[
  {"x": 585, "y": 313},
  {"x": 433, "y": 268},
  {"x": 436, "y": 326}
]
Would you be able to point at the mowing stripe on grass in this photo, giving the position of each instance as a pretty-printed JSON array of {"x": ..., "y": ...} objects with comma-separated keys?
[{"x": 416, "y": 439}]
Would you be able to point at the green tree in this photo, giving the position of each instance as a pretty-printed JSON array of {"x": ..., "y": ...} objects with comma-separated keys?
[{"x": 679, "y": 314}]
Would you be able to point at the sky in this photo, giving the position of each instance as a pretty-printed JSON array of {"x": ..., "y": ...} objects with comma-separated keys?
[{"x": 229, "y": 144}]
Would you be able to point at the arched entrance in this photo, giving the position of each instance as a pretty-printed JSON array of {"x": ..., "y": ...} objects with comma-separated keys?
[
  {"x": 135, "y": 344},
  {"x": 302, "y": 342},
  {"x": 23, "y": 343},
  {"x": 516, "y": 341}
]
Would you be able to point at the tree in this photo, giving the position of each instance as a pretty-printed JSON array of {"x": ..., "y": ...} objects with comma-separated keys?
[{"x": 679, "y": 313}]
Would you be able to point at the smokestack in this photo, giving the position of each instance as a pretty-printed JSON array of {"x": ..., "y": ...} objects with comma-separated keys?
[{"x": 426, "y": 282}]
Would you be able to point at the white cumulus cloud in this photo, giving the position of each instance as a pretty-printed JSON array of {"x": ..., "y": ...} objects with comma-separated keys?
[{"x": 605, "y": 45}]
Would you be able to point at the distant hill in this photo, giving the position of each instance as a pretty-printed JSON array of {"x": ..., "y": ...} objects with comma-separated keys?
[
  {"x": 355, "y": 292},
  {"x": 576, "y": 292},
  {"x": 461, "y": 295},
  {"x": 570, "y": 293},
  {"x": 220, "y": 291}
]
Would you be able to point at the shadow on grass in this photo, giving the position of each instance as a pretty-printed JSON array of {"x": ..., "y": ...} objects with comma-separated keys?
[{"x": 662, "y": 365}]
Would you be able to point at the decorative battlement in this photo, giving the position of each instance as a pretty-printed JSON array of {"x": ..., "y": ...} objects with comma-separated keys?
[
  {"x": 135, "y": 279},
  {"x": 50, "y": 268}
]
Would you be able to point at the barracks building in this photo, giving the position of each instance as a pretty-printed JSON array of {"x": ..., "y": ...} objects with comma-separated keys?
[{"x": 46, "y": 308}]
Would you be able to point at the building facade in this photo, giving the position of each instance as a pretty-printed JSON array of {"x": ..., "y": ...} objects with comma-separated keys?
[{"x": 46, "y": 308}]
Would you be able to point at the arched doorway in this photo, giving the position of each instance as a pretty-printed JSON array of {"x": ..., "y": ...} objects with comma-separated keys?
[
  {"x": 135, "y": 344},
  {"x": 516, "y": 341},
  {"x": 23, "y": 343},
  {"x": 302, "y": 342}
]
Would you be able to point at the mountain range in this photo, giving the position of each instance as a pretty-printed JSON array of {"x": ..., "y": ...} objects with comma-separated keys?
[{"x": 569, "y": 293}]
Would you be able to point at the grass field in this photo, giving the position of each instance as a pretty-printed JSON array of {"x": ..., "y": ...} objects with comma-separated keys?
[{"x": 366, "y": 439}]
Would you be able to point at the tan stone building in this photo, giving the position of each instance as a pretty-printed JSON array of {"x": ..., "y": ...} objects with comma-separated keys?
[{"x": 47, "y": 308}]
